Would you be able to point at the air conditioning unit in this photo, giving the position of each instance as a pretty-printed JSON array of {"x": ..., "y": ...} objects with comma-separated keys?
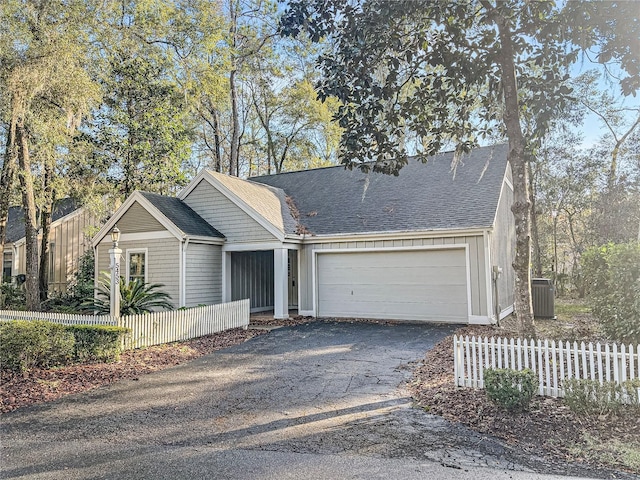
[{"x": 543, "y": 298}]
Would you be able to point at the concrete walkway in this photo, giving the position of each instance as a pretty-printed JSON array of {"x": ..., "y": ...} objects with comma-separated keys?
[{"x": 323, "y": 400}]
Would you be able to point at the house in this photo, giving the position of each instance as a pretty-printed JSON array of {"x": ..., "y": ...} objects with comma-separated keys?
[
  {"x": 69, "y": 238},
  {"x": 432, "y": 244}
]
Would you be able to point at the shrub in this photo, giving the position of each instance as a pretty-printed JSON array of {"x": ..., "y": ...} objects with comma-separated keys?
[
  {"x": 135, "y": 297},
  {"x": 12, "y": 297},
  {"x": 97, "y": 343},
  {"x": 613, "y": 273},
  {"x": 589, "y": 397},
  {"x": 29, "y": 344},
  {"x": 510, "y": 389}
]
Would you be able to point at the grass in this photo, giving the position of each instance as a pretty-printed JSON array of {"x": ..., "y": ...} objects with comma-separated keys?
[
  {"x": 624, "y": 455},
  {"x": 567, "y": 309}
]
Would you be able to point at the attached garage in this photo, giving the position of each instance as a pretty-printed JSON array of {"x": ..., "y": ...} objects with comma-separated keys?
[{"x": 414, "y": 284}]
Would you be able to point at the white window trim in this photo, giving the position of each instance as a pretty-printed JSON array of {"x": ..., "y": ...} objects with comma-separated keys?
[{"x": 128, "y": 253}]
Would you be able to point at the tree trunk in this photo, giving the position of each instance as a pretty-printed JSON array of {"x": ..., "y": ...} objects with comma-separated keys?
[
  {"x": 535, "y": 236},
  {"x": 30, "y": 220},
  {"x": 235, "y": 123},
  {"x": 235, "y": 126},
  {"x": 6, "y": 186},
  {"x": 216, "y": 141},
  {"x": 517, "y": 158},
  {"x": 45, "y": 223}
]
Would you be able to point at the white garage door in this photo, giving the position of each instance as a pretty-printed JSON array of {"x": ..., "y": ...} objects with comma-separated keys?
[{"x": 422, "y": 285}]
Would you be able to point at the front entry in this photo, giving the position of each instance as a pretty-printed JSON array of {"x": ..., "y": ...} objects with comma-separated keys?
[{"x": 253, "y": 276}]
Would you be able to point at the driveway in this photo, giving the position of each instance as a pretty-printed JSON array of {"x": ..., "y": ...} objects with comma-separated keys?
[{"x": 322, "y": 400}]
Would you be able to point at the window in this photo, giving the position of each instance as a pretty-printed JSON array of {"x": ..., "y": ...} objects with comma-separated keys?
[
  {"x": 137, "y": 265},
  {"x": 6, "y": 267}
]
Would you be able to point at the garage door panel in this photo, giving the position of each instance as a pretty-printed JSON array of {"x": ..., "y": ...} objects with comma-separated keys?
[
  {"x": 429, "y": 285},
  {"x": 397, "y": 275},
  {"x": 401, "y": 311},
  {"x": 410, "y": 292}
]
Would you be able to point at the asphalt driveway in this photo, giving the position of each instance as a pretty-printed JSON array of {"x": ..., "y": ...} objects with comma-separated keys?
[{"x": 322, "y": 400}]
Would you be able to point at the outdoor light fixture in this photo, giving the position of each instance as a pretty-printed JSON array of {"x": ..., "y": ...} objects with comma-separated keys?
[{"x": 115, "y": 235}]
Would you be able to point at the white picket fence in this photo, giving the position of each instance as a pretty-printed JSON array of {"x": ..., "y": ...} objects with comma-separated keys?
[
  {"x": 553, "y": 362},
  {"x": 158, "y": 327},
  {"x": 177, "y": 325},
  {"x": 63, "y": 318}
]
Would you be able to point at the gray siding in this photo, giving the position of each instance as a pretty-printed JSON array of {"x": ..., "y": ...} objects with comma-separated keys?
[
  {"x": 137, "y": 220},
  {"x": 502, "y": 245},
  {"x": 226, "y": 216},
  {"x": 203, "y": 275},
  {"x": 162, "y": 262},
  {"x": 476, "y": 260}
]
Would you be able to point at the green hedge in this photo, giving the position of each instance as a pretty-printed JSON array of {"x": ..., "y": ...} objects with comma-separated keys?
[
  {"x": 37, "y": 343},
  {"x": 27, "y": 344},
  {"x": 510, "y": 389},
  {"x": 97, "y": 343}
]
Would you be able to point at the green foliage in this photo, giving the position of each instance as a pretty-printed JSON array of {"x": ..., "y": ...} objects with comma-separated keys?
[
  {"x": 38, "y": 343},
  {"x": 80, "y": 288},
  {"x": 135, "y": 297},
  {"x": 30, "y": 344},
  {"x": 589, "y": 397},
  {"x": 97, "y": 343},
  {"x": 613, "y": 272},
  {"x": 12, "y": 296},
  {"x": 510, "y": 389}
]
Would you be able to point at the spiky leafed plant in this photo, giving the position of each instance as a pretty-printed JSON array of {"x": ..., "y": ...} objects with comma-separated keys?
[{"x": 135, "y": 297}]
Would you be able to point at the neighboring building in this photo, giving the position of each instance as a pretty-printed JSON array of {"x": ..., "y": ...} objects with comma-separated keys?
[
  {"x": 329, "y": 242},
  {"x": 68, "y": 240}
]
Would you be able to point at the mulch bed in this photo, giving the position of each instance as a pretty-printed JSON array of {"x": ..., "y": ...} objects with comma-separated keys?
[
  {"x": 45, "y": 385},
  {"x": 549, "y": 428}
]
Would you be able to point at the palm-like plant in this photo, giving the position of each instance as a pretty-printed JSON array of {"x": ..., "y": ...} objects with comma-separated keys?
[{"x": 135, "y": 297}]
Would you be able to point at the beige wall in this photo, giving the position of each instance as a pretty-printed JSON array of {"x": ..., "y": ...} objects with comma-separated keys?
[
  {"x": 502, "y": 245},
  {"x": 476, "y": 260},
  {"x": 226, "y": 216},
  {"x": 71, "y": 237}
]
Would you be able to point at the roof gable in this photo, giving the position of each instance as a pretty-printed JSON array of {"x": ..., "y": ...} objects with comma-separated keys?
[
  {"x": 427, "y": 196},
  {"x": 182, "y": 216},
  {"x": 15, "y": 220},
  {"x": 171, "y": 213},
  {"x": 267, "y": 205}
]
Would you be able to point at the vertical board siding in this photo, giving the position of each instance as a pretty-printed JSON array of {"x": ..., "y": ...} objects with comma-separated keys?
[
  {"x": 225, "y": 216},
  {"x": 70, "y": 239},
  {"x": 203, "y": 274},
  {"x": 158, "y": 327},
  {"x": 177, "y": 325},
  {"x": 252, "y": 277},
  {"x": 553, "y": 362}
]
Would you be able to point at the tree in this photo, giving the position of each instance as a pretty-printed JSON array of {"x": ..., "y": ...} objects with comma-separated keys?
[
  {"x": 42, "y": 48},
  {"x": 144, "y": 131},
  {"x": 414, "y": 76}
]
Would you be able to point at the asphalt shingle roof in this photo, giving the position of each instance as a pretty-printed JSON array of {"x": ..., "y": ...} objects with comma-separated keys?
[
  {"x": 423, "y": 197},
  {"x": 182, "y": 215},
  {"x": 268, "y": 201},
  {"x": 15, "y": 220}
]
